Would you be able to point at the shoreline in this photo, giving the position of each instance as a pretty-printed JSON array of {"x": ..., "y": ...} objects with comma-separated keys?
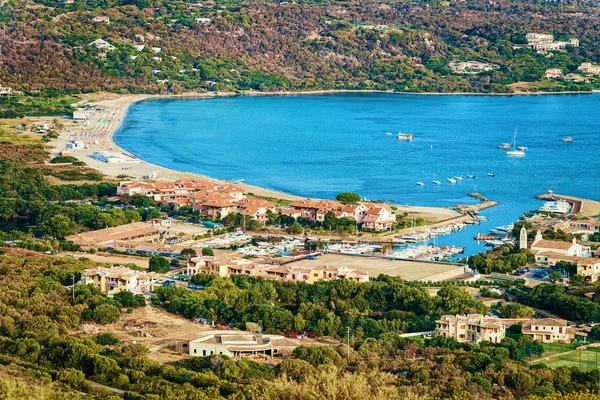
[{"x": 104, "y": 124}]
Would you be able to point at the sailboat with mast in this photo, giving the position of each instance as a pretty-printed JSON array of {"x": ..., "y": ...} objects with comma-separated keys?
[{"x": 514, "y": 150}]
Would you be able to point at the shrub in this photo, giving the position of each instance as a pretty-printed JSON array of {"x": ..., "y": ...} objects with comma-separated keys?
[
  {"x": 106, "y": 314},
  {"x": 63, "y": 160},
  {"x": 106, "y": 339},
  {"x": 208, "y": 252}
]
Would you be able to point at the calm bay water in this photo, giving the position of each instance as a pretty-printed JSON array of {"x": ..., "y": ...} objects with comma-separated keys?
[{"x": 318, "y": 146}]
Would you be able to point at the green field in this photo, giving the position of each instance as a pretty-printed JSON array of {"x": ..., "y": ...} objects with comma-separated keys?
[{"x": 564, "y": 355}]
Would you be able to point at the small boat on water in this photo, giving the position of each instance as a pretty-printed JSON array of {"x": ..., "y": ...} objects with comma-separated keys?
[
  {"x": 451, "y": 180},
  {"x": 389, "y": 133},
  {"x": 567, "y": 139},
  {"x": 471, "y": 176},
  {"x": 514, "y": 151},
  {"x": 437, "y": 182},
  {"x": 405, "y": 136},
  {"x": 458, "y": 178},
  {"x": 420, "y": 184},
  {"x": 524, "y": 148},
  {"x": 491, "y": 175},
  {"x": 504, "y": 146}
]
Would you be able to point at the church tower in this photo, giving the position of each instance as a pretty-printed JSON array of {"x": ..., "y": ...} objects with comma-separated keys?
[
  {"x": 538, "y": 236},
  {"x": 523, "y": 239}
]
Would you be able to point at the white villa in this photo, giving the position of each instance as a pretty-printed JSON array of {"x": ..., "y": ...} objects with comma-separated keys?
[{"x": 102, "y": 45}]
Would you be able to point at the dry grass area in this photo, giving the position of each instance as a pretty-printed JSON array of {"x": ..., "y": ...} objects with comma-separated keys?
[
  {"x": 409, "y": 270},
  {"x": 156, "y": 329}
]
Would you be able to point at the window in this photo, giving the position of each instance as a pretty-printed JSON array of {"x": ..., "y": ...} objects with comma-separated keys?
[
  {"x": 194, "y": 351},
  {"x": 203, "y": 353}
]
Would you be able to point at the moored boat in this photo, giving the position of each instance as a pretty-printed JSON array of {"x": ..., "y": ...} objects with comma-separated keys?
[
  {"x": 451, "y": 180},
  {"x": 420, "y": 184},
  {"x": 471, "y": 176},
  {"x": 405, "y": 136},
  {"x": 567, "y": 139},
  {"x": 437, "y": 182},
  {"x": 514, "y": 151},
  {"x": 491, "y": 175},
  {"x": 504, "y": 146}
]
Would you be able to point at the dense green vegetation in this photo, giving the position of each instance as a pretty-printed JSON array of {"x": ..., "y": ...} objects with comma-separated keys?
[
  {"x": 385, "y": 304},
  {"x": 504, "y": 259},
  {"x": 37, "y": 347},
  {"x": 271, "y": 46}
]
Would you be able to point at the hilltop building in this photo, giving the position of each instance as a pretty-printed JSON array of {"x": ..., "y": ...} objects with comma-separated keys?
[
  {"x": 542, "y": 42},
  {"x": 472, "y": 67},
  {"x": 116, "y": 279},
  {"x": 102, "y": 45},
  {"x": 554, "y": 73},
  {"x": 589, "y": 68},
  {"x": 472, "y": 328}
]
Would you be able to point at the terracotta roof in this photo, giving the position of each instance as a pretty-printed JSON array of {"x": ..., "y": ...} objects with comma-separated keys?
[
  {"x": 552, "y": 244},
  {"x": 544, "y": 322}
]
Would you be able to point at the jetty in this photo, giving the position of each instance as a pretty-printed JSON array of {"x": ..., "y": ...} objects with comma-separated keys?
[{"x": 470, "y": 208}]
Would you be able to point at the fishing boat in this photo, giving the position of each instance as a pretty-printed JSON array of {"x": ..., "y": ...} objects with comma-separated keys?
[
  {"x": 504, "y": 146},
  {"x": 437, "y": 182},
  {"x": 405, "y": 136},
  {"x": 514, "y": 151},
  {"x": 420, "y": 184},
  {"x": 491, "y": 175},
  {"x": 567, "y": 139},
  {"x": 451, "y": 180},
  {"x": 471, "y": 176}
]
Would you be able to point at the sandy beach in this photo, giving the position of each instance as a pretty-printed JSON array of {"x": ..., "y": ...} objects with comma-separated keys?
[{"x": 108, "y": 114}]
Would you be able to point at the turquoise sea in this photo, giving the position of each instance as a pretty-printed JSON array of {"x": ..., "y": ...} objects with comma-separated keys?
[{"x": 320, "y": 145}]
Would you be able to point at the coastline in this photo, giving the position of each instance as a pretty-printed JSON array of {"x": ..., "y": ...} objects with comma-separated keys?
[
  {"x": 110, "y": 110},
  {"x": 105, "y": 124}
]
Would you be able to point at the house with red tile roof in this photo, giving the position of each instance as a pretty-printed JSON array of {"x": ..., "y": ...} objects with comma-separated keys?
[{"x": 379, "y": 217}]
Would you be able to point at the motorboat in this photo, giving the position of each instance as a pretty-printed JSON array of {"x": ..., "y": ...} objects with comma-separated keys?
[
  {"x": 451, "y": 180},
  {"x": 491, "y": 175},
  {"x": 405, "y": 136},
  {"x": 458, "y": 178},
  {"x": 567, "y": 139},
  {"x": 504, "y": 146},
  {"x": 437, "y": 182},
  {"x": 420, "y": 184},
  {"x": 471, "y": 176}
]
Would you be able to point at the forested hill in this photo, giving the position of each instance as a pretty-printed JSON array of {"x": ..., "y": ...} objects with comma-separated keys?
[{"x": 268, "y": 46}]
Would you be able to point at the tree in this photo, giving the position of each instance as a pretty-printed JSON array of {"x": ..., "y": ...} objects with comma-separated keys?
[
  {"x": 106, "y": 314},
  {"x": 128, "y": 299},
  {"x": 556, "y": 276},
  {"x": 207, "y": 251},
  {"x": 296, "y": 228},
  {"x": 188, "y": 253},
  {"x": 58, "y": 226},
  {"x": 159, "y": 264},
  {"x": 330, "y": 221},
  {"x": 348, "y": 197}
]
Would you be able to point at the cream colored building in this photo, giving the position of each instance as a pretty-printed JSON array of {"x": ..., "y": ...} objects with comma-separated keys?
[
  {"x": 548, "y": 330},
  {"x": 116, "y": 279},
  {"x": 238, "y": 344},
  {"x": 472, "y": 328},
  {"x": 554, "y": 73}
]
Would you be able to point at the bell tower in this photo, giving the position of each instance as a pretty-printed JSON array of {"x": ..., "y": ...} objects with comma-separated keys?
[{"x": 523, "y": 238}]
